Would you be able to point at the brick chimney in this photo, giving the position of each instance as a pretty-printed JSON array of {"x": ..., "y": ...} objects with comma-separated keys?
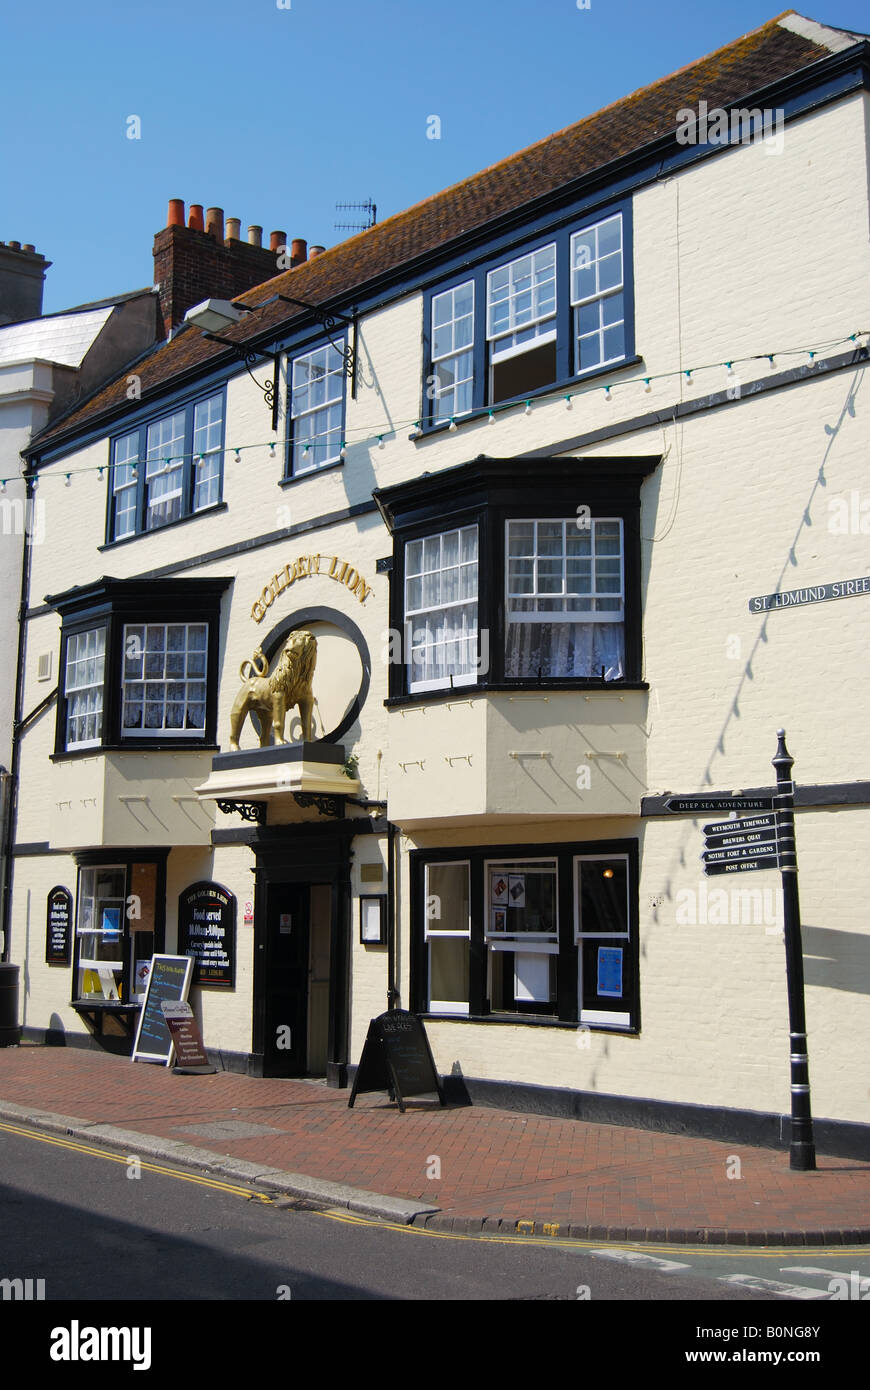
[
  {"x": 191, "y": 264},
  {"x": 22, "y": 279}
]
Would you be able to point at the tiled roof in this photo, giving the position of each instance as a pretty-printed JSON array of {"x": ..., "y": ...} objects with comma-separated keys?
[{"x": 729, "y": 76}]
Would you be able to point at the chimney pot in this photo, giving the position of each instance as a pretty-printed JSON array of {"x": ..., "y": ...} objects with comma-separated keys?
[
  {"x": 234, "y": 228},
  {"x": 14, "y": 245},
  {"x": 175, "y": 217},
  {"x": 315, "y": 251},
  {"x": 298, "y": 251},
  {"x": 214, "y": 223},
  {"x": 255, "y": 235},
  {"x": 28, "y": 247},
  {"x": 195, "y": 220},
  {"x": 277, "y": 240}
]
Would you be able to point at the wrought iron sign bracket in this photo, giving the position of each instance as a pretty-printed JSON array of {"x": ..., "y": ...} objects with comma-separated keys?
[
  {"x": 329, "y": 323},
  {"x": 248, "y": 810},
  {"x": 328, "y": 804},
  {"x": 249, "y": 356}
]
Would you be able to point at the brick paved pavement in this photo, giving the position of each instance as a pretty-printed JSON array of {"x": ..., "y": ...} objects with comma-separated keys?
[{"x": 603, "y": 1181}]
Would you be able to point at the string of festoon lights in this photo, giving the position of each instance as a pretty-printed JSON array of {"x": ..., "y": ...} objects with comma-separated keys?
[{"x": 376, "y": 438}]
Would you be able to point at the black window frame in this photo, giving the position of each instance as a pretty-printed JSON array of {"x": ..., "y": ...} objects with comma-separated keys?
[
  {"x": 567, "y": 1009},
  {"x": 113, "y": 604},
  {"x": 559, "y": 232},
  {"x": 489, "y": 492},
  {"x": 292, "y": 473},
  {"x": 188, "y": 406}
]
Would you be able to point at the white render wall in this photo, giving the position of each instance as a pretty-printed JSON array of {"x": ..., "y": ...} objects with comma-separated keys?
[{"x": 747, "y": 253}]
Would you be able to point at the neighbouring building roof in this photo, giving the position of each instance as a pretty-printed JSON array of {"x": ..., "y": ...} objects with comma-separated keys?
[
  {"x": 61, "y": 338},
  {"x": 780, "y": 48}
]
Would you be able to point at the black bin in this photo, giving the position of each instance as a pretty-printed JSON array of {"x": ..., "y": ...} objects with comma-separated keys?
[{"x": 10, "y": 1032}]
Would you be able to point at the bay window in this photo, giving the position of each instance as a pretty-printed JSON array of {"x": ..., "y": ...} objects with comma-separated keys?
[
  {"x": 146, "y": 672},
  {"x": 511, "y": 572}
]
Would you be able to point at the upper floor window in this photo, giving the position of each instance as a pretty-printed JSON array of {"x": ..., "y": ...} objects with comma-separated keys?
[
  {"x": 163, "y": 681},
  {"x": 453, "y": 351},
  {"x": 316, "y": 409},
  {"x": 441, "y": 608},
  {"x": 565, "y": 598},
  {"x": 521, "y": 324},
  {"x": 167, "y": 469},
  {"x": 502, "y": 576},
  {"x": 146, "y": 672},
  {"x": 540, "y": 319},
  {"x": 84, "y": 678}
]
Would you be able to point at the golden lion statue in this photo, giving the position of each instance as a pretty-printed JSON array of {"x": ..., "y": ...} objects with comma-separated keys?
[{"x": 267, "y": 698}]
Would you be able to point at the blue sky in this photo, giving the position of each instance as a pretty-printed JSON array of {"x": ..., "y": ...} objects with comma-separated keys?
[{"x": 276, "y": 114}]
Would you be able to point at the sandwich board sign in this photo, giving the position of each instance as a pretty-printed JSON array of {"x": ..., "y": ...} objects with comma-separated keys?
[
  {"x": 169, "y": 980},
  {"x": 397, "y": 1058}
]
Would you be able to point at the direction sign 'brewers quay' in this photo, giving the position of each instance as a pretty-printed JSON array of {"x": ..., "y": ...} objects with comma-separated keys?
[{"x": 398, "y": 684}]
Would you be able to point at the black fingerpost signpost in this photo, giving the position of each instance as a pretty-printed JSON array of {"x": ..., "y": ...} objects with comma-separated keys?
[
  {"x": 397, "y": 1058},
  {"x": 761, "y": 840},
  {"x": 802, "y": 1153}
]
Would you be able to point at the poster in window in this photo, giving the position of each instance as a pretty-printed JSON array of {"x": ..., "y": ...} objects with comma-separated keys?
[
  {"x": 111, "y": 923},
  {"x": 499, "y": 890},
  {"x": 499, "y": 919},
  {"x": 517, "y": 890},
  {"x": 140, "y": 981},
  {"x": 610, "y": 971},
  {"x": 207, "y": 932}
]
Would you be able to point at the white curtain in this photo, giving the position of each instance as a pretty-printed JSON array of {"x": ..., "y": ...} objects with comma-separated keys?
[{"x": 565, "y": 649}]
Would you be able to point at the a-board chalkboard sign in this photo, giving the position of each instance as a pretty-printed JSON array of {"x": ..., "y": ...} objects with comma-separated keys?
[
  {"x": 397, "y": 1058},
  {"x": 169, "y": 979},
  {"x": 207, "y": 932},
  {"x": 58, "y": 927}
]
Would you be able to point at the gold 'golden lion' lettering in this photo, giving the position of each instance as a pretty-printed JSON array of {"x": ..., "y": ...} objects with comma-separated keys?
[{"x": 267, "y": 698}]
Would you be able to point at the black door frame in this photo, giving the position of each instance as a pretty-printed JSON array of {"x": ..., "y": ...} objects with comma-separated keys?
[{"x": 306, "y": 854}]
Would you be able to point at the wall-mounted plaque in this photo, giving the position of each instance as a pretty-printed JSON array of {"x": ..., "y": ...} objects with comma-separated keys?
[
  {"x": 207, "y": 933},
  {"x": 58, "y": 927}
]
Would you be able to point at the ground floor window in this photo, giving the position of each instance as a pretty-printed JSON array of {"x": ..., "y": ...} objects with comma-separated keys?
[
  {"x": 118, "y": 928},
  {"x": 501, "y": 932}
]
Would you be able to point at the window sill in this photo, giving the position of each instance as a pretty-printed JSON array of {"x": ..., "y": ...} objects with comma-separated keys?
[
  {"x": 141, "y": 746},
  {"x": 292, "y": 478},
  {"x": 557, "y": 389},
  {"x": 534, "y": 1020},
  {"x": 168, "y": 526},
  {"x": 590, "y": 686}
]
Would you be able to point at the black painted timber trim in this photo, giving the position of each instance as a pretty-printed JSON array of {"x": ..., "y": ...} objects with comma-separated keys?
[
  {"x": 805, "y": 798},
  {"x": 332, "y": 753}
]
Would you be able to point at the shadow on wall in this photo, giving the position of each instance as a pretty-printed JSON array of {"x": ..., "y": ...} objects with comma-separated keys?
[
  {"x": 55, "y": 1033},
  {"x": 836, "y": 959}
]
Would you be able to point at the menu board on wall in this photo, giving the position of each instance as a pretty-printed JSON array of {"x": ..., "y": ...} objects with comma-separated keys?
[
  {"x": 207, "y": 933},
  {"x": 58, "y": 927}
]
